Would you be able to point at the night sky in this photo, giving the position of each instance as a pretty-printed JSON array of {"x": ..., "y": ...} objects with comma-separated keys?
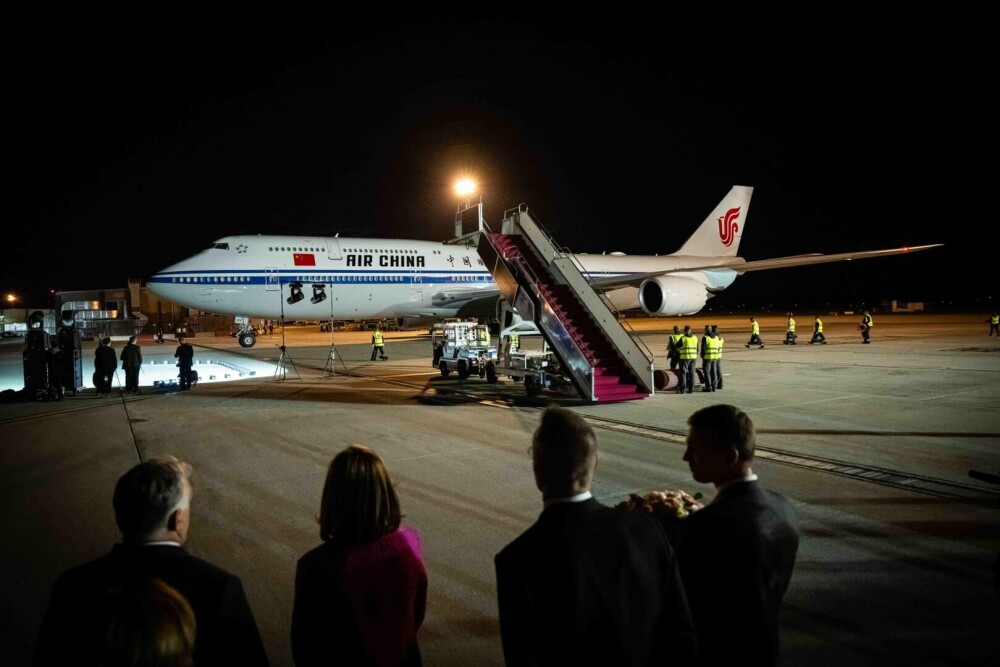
[{"x": 135, "y": 148}]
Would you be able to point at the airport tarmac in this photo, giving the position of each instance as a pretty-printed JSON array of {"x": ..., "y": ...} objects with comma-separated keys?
[{"x": 872, "y": 444}]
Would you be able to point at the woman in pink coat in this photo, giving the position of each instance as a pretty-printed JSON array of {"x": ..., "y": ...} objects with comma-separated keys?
[{"x": 360, "y": 597}]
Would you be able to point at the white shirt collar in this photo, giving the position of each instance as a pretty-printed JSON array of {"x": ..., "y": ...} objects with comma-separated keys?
[{"x": 578, "y": 498}]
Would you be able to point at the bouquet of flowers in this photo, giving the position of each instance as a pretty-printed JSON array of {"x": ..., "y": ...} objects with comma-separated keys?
[{"x": 674, "y": 504}]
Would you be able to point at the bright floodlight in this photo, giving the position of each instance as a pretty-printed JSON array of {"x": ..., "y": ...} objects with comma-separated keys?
[{"x": 465, "y": 187}]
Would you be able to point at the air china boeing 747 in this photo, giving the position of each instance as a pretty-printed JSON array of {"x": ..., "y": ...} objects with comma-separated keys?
[{"x": 302, "y": 277}]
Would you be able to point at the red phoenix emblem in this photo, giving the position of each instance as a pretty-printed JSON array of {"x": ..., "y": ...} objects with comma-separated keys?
[{"x": 728, "y": 226}]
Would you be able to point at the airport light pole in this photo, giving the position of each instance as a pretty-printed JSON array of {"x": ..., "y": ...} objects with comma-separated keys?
[{"x": 465, "y": 188}]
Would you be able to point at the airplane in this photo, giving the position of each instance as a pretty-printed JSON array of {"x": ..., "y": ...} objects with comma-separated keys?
[{"x": 337, "y": 278}]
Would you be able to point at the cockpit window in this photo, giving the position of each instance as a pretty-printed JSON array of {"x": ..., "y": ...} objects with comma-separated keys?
[{"x": 221, "y": 246}]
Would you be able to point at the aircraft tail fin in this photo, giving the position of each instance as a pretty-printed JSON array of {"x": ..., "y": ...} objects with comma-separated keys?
[{"x": 719, "y": 235}]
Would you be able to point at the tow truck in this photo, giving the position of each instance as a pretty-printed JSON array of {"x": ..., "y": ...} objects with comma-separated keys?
[{"x": 462, "y": 347}]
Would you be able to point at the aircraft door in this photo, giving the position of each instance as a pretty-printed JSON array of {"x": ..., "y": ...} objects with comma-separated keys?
[
  {"x": 333, "y": 249},
  {"x": 272, "y": 282},
  {"x": 416, "y": 287}
]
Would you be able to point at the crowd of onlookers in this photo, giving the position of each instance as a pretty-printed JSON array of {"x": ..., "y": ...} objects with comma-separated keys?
[{"x": 586, "y": 584}]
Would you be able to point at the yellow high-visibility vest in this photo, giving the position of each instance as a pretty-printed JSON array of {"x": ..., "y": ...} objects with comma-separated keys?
[
  {"x": 755, "y": 329},
  {"x": 791, "y": 324},
  {"x": 712, "y": 348},
  {"x": 721, "y": 341},
  {"x": 377, "y": 337},
  {"x": 819, "y": 325},
  {"x": 689, "y": 347}
]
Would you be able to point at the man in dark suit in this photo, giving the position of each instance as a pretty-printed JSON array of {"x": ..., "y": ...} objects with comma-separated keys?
[
  {"x": 185, "y": 358},
  {"x": 737, "y": 553},
  {"x": 105, "y": 365},
  {"x": 588, "y": 584},
  {"x": 152, "y": 504}
]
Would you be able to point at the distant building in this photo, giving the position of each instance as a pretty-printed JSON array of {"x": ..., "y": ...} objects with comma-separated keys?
[{"x": 907, "y": 306}]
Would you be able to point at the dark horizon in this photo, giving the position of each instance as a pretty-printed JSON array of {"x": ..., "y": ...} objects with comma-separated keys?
[{"x": 136, "y": 150}]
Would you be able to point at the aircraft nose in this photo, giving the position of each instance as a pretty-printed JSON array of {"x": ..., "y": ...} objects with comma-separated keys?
[{"x": 162, "y": 281}]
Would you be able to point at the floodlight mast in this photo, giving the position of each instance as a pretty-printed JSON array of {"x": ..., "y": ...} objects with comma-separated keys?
[{"x": 465, "y": 188}]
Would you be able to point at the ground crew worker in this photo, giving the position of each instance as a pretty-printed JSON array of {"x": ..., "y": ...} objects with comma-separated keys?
[
  {"x": 378, "y": 344},
  {"x": 718, "y": 362},
  {"x": 790, "y": 331},
  {"x": 687, "y": 354},
  {"x": 755, "y": 334},
  {"x": 709, "y": 358},
  {"x": 673, "y": 349},
  {"x": 515, "y": 342},
  {"x": 994, "y": 323},
  {"x": 866, "y": 326},
  {"x": 483, "y": 335},
  {"x": 818, "y": 336}
]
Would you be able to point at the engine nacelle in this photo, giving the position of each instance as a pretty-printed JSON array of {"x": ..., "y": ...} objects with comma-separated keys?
[{"x": 671, "y": 295}]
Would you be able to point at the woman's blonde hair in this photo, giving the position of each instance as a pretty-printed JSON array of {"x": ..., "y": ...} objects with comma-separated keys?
[{"x": 150, "y": 625}]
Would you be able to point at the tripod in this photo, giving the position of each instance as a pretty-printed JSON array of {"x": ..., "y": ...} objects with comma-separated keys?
[
  {"x": 330, "y": 370},
  {"x": 280, "y": 372},
  {"x": 331, "y": 360}
]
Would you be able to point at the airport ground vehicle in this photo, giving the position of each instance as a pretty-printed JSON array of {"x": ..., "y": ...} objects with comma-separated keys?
[
  {"x": 524, "y": 355},
  {"x": 462, "y": 347}
]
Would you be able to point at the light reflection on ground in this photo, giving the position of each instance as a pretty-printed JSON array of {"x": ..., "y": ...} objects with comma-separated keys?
[{"x": 212, "y": 367}]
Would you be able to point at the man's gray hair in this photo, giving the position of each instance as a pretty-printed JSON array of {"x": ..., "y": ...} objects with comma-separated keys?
[{"x": 148, "y": 494}]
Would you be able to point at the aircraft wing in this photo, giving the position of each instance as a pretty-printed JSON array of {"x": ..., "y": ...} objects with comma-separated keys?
[
  {"x": 741, "y": 266},
  {"x": 462, "y": 297}
]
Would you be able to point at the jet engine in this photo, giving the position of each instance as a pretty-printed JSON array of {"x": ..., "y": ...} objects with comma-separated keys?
[{"x": 672, "y": 295}]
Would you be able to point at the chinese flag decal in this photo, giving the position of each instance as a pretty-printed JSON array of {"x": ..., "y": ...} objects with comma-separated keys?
[{"x": 304, "y": 259}]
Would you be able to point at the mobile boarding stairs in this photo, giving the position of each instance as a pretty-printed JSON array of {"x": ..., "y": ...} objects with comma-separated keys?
[{"x": 545, "y": 285}]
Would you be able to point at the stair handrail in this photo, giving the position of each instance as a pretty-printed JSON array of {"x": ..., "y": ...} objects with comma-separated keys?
[
  {"x": 572, "y": 357},
  {"x": 565, "y": 252},
  {"x": 631, "y": 348}
]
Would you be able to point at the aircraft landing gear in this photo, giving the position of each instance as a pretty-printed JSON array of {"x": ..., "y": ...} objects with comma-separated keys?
[{"x": 246, "y": 337}]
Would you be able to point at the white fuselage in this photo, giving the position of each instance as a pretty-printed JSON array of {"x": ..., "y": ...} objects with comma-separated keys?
[{"x": 360, "y": 278}]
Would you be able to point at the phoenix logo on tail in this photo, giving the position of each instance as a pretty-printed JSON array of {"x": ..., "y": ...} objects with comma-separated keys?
[{"x": 728, "y": 226}]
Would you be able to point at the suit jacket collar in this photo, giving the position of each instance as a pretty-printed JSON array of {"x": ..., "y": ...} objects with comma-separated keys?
[
  {"x": 738, "y": 489},
  {"x": 148, "y": 550}
]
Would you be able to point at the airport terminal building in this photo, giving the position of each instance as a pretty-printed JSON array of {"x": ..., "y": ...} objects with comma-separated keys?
[{"x": 116, "y": 312}]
